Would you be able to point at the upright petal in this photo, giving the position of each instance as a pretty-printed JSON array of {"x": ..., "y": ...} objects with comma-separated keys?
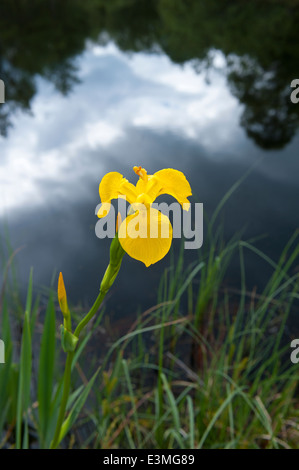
[
  {"x": 146, "y": 236},
  {"x": 128, "y": 190},
  {"x": 172, "y": 182},
  {"x": 141, "y": 186}
]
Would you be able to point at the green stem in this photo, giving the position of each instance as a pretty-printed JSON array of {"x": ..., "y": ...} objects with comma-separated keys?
[
  {"x": 108, "y": 279},
  {"x": 67, "y": 370},
  {"x": 66, "y": 390},
  {"x": 91, "y": 313}
]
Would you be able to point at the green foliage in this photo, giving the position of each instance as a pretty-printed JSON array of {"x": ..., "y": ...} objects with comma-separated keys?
[
  {"x": 24, "y": 379},
  {"x": 187, "y": 374},
  {"x": 46, "y": 376},
  {"x": 68, "y": 340}
]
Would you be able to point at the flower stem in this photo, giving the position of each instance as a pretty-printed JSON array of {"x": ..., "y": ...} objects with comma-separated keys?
[
  {"x": 107, "y": 281},
  {"x": 91, "y": 313},
  {"x": 66, "y": 391}
]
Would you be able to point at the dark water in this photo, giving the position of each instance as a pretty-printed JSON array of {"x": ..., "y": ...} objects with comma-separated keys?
[{"x": 98, "y": 86}]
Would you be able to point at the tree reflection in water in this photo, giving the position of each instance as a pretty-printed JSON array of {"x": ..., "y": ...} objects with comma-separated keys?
[{"x": 257, "y": 38}]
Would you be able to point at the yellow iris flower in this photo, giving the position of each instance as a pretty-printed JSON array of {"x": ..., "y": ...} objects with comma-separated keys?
[{"x": 146, "y": 234}]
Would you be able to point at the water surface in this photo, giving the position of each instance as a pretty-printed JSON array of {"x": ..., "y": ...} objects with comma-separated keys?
[{"x": 140, "y": 85}]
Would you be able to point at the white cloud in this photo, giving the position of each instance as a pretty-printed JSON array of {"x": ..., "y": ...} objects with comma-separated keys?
[
  {"x": 101, "y": 133},
  {"x": 118, "y": 91}
]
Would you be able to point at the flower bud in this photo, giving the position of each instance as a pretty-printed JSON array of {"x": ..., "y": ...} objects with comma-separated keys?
[{"x": 62, "y": 299}]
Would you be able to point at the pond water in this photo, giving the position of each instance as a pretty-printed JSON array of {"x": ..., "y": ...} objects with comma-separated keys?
[{"x": 92, "y": 88}]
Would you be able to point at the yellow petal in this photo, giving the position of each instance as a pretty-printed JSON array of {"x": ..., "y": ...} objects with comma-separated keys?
[
  {"x": 109, "y": 186},
  {"x": 104, "y": 209},
  {"x": 172, "y": 182},
  {"x": 128, "y": 190},
  {"x": 114, "y": 185},
  {"x": 146, "y": 236},
  {"x": 141, "y": 186}
]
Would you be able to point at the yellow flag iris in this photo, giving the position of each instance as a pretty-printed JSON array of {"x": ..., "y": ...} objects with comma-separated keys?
[{"x": 146, "y": 234}]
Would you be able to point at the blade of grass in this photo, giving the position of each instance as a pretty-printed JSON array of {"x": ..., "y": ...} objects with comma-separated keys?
[
  {"x": 133, "y": 401},
  {"x": 172, "y": 404},
  {"x": 74, "y": 413},
  {"x": 24, "y": 374},
  {"x": 46, "y": 375}
]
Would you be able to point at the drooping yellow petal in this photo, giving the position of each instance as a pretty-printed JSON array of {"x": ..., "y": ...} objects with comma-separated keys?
[
  {"x": 146, "y": 236},
  {"x": 172, "y": 182},
  {"x": 112, "y": 186},
  {"x": 104, "y": 209}
]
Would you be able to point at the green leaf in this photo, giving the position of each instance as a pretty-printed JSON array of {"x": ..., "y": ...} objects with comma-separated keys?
[
  {"x": 46, "y": 374},
  {"x": 68, "y": 340},
  {"x": 6, "y": 369},
  {"x": 23, "y": 398},
  {"x": 70, "y": 420},
  {"x": 172, "y": 403}
]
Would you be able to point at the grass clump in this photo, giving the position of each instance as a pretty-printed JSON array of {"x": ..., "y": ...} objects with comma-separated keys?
[{"x": 204, "y": 368}]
